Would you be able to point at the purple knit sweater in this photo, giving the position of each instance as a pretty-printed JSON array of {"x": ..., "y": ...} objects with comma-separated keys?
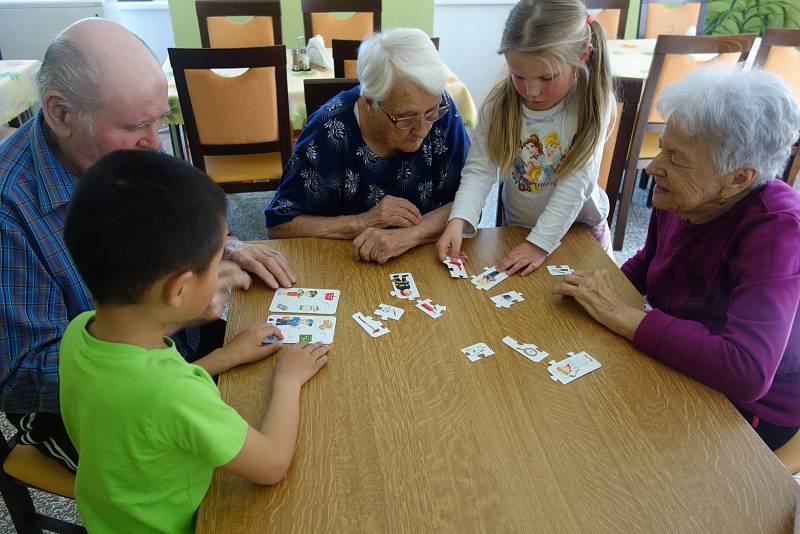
[{"x": 725, "y": 296}]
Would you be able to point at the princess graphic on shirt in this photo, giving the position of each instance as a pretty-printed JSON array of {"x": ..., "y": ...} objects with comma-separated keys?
[
  {"x": 527, "y": 166},
  {"x": 551, "y": 157}
]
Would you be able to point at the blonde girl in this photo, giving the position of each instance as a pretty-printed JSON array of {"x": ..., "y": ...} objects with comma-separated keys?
[{"x": 558, "y": 87}]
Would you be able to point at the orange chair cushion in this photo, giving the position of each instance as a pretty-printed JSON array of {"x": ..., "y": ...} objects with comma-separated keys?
[
  {"x": 649, "y": 146},
  {"x": 27, "y": 464},
  {"x": 330, "y": 27},
  {"x": 609, "y": 21},
  {"x": 225, "y": 33},
  {"x": 244, "y": 167}
]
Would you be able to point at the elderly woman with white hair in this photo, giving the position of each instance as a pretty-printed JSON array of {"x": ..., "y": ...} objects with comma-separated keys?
[
  {"x": 380, "y": 163},
  {"x": 721, "y": 263}
]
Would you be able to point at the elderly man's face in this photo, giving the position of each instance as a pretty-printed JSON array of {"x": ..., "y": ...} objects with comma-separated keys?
[
  {"x": 125, "y": 119},
  {"x": 407, "y": 100},
  {"x": 687, "y": 182}
]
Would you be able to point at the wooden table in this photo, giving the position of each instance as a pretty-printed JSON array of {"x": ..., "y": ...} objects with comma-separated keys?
[{"x": 403, "y": 434}]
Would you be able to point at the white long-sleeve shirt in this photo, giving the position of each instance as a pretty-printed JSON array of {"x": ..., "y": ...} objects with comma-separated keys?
[{"x": 531, "y": 196}]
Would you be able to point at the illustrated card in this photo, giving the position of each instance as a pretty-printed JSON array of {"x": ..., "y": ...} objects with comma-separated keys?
[
  {"x": 370, "y": 325},
  {"x": 489, "y": 278},
  {"x": 560, "y": 270},
  {"x": 431, "y": 309},
  {"x": 304, "y": 328},
  {"x": 573, "y": 367},
  {"x": 529, "y": 350},
  {"x": 305, "y": 300},
  {"x": 456, "y": 267},
  {"x": 477, "y": 351},
  {"x": 385, "y": 312},
  {"x": 505, "y": 300},
  {"x": 404, "y": 286}
]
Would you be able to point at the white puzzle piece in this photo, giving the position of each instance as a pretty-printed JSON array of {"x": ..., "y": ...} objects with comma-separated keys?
[
  {"x": 304, "y": 328},
  {"x": 573, "y": 367},
  {"x": 489, "y": 278},
  {"x": 456, "y": 267},
  {"x": 559, "y": 270},
  {"x": 385, "y": 312},
  {"x": 370, "y": 325},
  {"x": 305, "y": 300},
  {"x": 529, "y": 350},
  {"x": 477, "y": 351},
  {"x": 505, "y": 300},
  {"x": 431, "y": 309},
  {"x": 404, "y": 286}
]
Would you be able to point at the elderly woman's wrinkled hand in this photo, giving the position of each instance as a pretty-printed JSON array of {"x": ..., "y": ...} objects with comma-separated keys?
[
  {"x": 392, "y": 212},
  {"x": 266, "y": 263},
  {"x": 594, "y": 291},
  {"x": 381, "y": 245}
]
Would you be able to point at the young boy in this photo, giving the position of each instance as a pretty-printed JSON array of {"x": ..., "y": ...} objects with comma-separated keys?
[{"x": 146, "y": 232}]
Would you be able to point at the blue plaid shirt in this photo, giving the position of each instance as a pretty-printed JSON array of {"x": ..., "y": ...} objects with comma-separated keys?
[{"x": 40, "y": 288}]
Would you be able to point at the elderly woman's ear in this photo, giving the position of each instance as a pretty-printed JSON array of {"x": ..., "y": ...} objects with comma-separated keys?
[{"x": 739, "y": 183}]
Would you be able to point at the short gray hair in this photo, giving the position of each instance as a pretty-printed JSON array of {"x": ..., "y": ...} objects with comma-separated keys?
[
  {"x": 399, "y": 53},
  {"x": 71, "y": 72},
  {"x": 748, "y": 117}
]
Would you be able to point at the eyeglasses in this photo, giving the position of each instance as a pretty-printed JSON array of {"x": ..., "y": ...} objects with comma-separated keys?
[{"x": 406, "y": 123}]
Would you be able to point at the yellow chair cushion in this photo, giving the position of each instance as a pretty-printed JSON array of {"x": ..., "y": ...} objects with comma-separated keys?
[
  {"x": 27, "y": 464},
  {"x": 650, "y": 145},
  {"x": 244, "y": 167}
]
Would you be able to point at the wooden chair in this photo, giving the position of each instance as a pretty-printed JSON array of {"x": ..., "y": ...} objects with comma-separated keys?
[
  {"x": 657, "y": 19},
  {"x": 25, "y": 467},
  {"x": 627, "y": 92},
  {"x": 217, "y": 30},
  {"x": 345, "y": 56},
  {"x": 613, "y": 18},
  {"x": 318, "y": 91},
  {"x": 237, "y": 126},
  {"x": 318, "y": 18},
  {"x": 779, "y": 53},
  {"x": 673, "y": 58}
]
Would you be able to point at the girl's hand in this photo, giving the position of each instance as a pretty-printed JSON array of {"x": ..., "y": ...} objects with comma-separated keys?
[
  {"x": 524, "y": 258},
  {"x": 301, "y": 362},
  {"x": 450, "y": 242}
]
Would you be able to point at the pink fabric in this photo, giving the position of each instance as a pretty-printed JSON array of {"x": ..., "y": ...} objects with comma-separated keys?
[{"x": 602, "y": 233}]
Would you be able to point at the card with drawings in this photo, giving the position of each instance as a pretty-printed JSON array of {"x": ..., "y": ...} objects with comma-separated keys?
[
  {"x": 371, "y": 326},
  {"x": 529, "y": 350},
  {"x": 385, "y": 312},
  {"x": 305, "y": 300},
  {"x": 477, "y": 351},
  {"x": 304, "y": 328},
  {"x": 404, "y": 286},
  {"x": 505, "y": 300},
  {"x": 456, "y": 267},
  {"x": 573, "y": 367},
  {"x": 489, "y": 278},
  {"x": 559, "y": 270},
  {"x": 431, "y": 309}
]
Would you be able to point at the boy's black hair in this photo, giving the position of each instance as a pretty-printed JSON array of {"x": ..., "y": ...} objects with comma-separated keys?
[{"x": 137, "y": 216}]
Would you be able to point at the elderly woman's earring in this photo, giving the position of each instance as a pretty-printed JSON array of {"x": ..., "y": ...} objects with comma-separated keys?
[{"x": 723, "y": 199}]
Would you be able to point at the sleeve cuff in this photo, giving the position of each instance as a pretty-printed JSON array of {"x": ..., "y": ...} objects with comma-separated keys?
[
  {"x": 542, "y": 244},
  {"x": 651, "y": 330}
]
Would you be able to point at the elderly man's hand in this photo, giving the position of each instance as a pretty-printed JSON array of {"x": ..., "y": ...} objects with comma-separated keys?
[
  {"x": 593, "y": 290},
  {"x": 231, "y": 276},
  {"x": 391, "y": 212},
  {"x": 381, "y": 245},
  {"x": 266, "y": 263}
]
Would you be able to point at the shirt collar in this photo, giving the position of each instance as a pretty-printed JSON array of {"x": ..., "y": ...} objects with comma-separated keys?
[{"x": 55, "y": 184}]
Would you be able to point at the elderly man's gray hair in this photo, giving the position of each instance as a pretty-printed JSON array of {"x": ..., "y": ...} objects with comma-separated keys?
[
  {"x": 69, "y": 71},
  {"x": 399, "y": 53},
  {"x": 748, "y": 117}
]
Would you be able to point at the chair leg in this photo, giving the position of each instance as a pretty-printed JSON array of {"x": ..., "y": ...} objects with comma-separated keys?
[
  {"x": 20, "y": 505},
  {"x": 794, "y": 168}
]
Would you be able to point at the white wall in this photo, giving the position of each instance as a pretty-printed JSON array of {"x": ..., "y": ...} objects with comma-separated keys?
[
  {"x": 151, "y": 22},
  {"x": 469, "y": 33}
]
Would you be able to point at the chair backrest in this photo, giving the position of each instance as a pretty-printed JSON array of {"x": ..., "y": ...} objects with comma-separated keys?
[
  {"x": 318, "y": 18},
  {"x": 230, "y": 115},
  {"x": 613, "y": 17},
  {"x": 318, "y": 91},
  {"x": 657, "y": 19},
  {"x": 779, "y": 53},
  {"x": 345, "y": 56},
  {"x": 217, "y": 30}
]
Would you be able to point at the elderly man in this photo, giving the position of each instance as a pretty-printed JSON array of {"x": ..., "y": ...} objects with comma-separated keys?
[
  {"x": 379, "y": 164},
  {"x": 101, "y": 90}
]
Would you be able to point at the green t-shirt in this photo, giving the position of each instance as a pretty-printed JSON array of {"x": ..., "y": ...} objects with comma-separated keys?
[{"x": 149, "y": 429}]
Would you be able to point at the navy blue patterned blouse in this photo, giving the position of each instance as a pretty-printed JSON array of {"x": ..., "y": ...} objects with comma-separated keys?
[{"x": 333, "y": 172}]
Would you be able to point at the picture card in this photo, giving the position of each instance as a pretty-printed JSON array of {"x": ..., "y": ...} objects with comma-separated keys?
[
  {"x": 305, "y": 300},
  {"x": 573, "y": 367},
  {"x": 404, "y": 286},
  {"x": 370, "y": 325},
  {"x": 456, "y": 267},
  {"x": 489, "y": 278},
  {"x": 385, "y": 312},
  {"x": 304, "y": 328},
  {"x": 477, "y": 351},
  {"x": 529, "y": 350},
  {"x": 434, "y": 310},
  {"x": 560, "y": 270},
  {"x": 505, "y": 300}
]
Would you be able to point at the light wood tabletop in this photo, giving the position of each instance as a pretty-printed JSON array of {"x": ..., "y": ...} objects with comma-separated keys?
[{"x": 403, "y": 434}]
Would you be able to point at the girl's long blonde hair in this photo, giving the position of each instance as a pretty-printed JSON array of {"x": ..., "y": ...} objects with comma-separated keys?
[{"x": 556, "y": 31}]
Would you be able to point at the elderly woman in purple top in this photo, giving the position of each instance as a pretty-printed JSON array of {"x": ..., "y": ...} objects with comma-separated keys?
[{"x": 721, "y": 263}]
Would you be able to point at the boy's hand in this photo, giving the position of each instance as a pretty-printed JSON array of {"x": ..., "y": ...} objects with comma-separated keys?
[
  {"x": 301, "y": 362},
  {"x": 524, "y": 258},
  {"x": 246, "y": 346},
  {"x": 450, "y": 242}
]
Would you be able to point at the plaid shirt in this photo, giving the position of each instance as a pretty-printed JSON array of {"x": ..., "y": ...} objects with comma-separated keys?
[{"x": 40, "y": 288}]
